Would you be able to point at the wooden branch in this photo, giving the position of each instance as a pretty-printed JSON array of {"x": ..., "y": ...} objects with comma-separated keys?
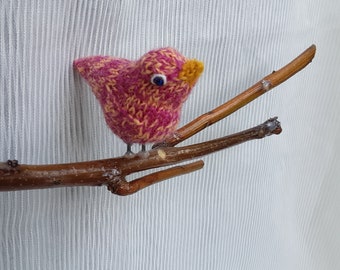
[
  {"x": 113, "y": 172},
  {"x": 263, "y": 86}
]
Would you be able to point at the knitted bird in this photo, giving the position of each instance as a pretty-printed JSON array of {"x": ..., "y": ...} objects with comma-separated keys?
[{"x": 141, "y": 99}]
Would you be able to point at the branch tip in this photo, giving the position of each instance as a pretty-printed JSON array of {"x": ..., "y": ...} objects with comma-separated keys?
[{"x": 273, "y": 126}]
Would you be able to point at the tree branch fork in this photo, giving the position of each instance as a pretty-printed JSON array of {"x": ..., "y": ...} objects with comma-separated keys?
[{"x": 112, "y": 172}]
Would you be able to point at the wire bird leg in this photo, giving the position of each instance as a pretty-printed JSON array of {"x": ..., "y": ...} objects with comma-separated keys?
[{"x": 112, "y": 172}]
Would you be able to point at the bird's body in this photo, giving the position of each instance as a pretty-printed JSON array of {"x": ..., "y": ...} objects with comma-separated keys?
[{"x": 141, "y": 99}]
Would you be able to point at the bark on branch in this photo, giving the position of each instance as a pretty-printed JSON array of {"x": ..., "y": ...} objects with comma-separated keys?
[{"x": 112, "y": 172}]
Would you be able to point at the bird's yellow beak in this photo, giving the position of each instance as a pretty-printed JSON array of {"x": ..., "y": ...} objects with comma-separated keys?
[{"x": 191, "y": 70}]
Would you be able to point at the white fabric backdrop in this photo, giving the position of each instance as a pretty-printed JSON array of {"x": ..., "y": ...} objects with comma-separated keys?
[{"x": 268, "y": 204}]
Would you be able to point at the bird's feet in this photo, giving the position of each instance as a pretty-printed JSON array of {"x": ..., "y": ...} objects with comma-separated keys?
[
  {"x": 129, "y": 152},
  {"x": 143, "y": 153}
]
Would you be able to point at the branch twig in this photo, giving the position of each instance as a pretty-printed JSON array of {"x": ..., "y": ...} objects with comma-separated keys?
[
  {"x": 113, "y": 172},
  {"x": 263, "y": 86}
]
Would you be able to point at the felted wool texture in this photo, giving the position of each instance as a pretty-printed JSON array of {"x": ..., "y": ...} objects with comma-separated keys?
[
  {"x": 266, "y": 204},
  {"x": 137, "y": 108}
]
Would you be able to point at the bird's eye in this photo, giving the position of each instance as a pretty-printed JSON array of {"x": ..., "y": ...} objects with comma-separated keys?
[{"x": 158, "y": 79}]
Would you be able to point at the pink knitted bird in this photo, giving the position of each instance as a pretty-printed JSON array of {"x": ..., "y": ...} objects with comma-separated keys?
[{"x": 141, "y": 99}]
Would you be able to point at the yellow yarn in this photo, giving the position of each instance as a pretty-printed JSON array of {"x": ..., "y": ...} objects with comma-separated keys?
[{"x": 191, "y": 70}]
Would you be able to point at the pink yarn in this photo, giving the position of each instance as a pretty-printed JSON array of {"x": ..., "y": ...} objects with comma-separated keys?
[{"x": 135, "y": 107}]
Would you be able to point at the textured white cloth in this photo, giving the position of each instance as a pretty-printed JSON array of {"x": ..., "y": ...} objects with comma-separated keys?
[{"x": 267, "y": 204}]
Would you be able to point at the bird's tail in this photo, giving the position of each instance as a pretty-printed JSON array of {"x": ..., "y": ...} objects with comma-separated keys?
[{"x": 92, "y": 69}]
